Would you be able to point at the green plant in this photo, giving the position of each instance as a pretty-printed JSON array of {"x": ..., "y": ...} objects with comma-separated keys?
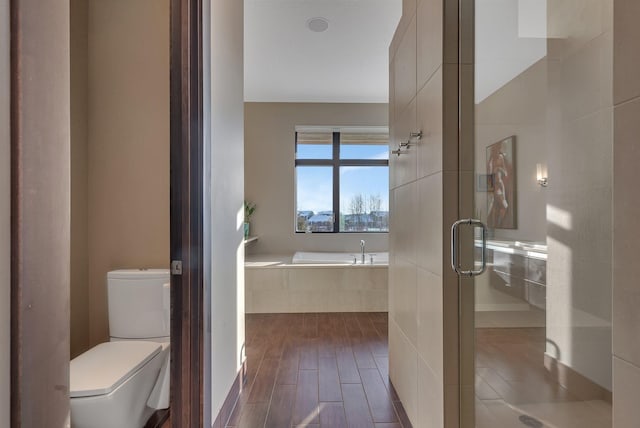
[{"x": 249, "y": 208}]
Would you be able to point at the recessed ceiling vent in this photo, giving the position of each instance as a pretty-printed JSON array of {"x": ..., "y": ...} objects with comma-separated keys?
[{"x": 318, "y": 25}]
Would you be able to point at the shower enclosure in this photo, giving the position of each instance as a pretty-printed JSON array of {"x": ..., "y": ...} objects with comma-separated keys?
[{"x": 536, "y": 326}]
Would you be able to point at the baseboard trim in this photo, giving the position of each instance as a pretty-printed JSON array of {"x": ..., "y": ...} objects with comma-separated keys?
[
  {"x": 232, "y": 398},
  {"x": 576, "y": 383}
]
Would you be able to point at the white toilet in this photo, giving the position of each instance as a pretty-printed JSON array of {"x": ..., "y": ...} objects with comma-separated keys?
[{"x": 120, "y": 383}]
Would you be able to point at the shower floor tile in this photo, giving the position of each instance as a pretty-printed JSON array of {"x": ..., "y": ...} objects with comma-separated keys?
[{"x": 513, "y": 386}]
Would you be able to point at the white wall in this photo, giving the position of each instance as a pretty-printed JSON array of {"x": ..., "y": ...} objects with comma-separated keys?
[
  {"x": 270, "y": 173},
  {"x": 5, "y": 226},
  {"x": 501, "y": 115},
  {"x": 224, "y": 194}
]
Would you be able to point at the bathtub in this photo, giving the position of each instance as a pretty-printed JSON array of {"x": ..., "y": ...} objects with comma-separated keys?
[
  {"x": 302, "y": 257},
  {"x": 316, "y": 282}
]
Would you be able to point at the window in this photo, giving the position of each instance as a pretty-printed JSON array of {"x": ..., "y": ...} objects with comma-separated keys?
[{"x": 344, "y": 171}]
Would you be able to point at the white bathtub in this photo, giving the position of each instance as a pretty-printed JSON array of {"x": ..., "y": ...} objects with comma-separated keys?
[
  {"x": 302, "y": 257},
  {"x": 315, "y": 282}
]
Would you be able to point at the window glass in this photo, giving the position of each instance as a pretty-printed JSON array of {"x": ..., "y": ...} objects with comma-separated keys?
[
  {"x": 364, "y": 199},
  {"x": 360, "y": 168},
  {"x": 314, "y": 189}
]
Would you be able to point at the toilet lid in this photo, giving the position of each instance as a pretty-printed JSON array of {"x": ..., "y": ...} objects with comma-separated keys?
[{"x": 103, "y": 368}]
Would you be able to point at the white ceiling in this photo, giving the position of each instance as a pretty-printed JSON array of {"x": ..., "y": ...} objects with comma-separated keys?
[{"x": 286, "y": 62}]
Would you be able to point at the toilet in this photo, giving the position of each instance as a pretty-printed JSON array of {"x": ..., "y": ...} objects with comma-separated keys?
[{"x": 120, "y": 383}]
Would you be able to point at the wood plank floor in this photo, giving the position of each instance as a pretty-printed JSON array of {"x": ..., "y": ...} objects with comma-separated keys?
[
  {"x": 331, "y": 370},
  {"x": 317, "y": 370}
]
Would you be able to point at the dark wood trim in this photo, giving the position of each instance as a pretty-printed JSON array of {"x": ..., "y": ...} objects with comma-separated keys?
[
  {"x": 40, "y": 212},
  {"x": 158, "y": 418},
  {"x": 16, "y": 367},
  {"x": 187, "y": 213}
]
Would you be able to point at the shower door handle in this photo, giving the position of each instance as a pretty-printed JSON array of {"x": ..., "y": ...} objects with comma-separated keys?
[{"x": 455, "y": 265}]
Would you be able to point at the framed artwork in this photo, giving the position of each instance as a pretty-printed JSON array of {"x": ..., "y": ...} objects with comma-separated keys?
[{"x": 501, "y": 185}]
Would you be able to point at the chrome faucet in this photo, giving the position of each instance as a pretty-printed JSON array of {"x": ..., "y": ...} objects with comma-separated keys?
[{"x": 362, "y": 249}]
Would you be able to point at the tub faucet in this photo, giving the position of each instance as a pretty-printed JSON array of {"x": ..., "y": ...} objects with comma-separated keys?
[{"x": 362, "y": 249}]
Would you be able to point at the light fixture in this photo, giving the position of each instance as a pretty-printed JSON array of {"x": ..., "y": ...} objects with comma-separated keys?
[
  {"x": 318, "y": 24},
  {"x": 541, "y": 174}
]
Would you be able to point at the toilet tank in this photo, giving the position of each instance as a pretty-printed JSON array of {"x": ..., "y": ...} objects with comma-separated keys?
[{"x": 139, "y": 303}]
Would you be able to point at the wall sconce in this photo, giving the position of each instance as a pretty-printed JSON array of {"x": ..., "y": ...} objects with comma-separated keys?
[{"x": 541, "y": 174}]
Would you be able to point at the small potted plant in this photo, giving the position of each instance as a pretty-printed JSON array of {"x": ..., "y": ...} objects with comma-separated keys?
[{"x": 249, "y": 208}]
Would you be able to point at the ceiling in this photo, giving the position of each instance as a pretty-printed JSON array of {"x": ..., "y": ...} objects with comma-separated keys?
[{"x": 287, "y": 62}]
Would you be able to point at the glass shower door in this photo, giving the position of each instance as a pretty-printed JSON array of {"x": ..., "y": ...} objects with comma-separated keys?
[{"x": 536, "y": 326}]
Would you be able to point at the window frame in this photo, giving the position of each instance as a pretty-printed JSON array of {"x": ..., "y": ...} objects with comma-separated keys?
[{"x": 336, "y": 163}]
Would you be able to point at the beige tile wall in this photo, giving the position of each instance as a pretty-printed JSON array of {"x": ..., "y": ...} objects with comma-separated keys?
[
  {"x": 626, "y": 380},
  {"x": 579, "y": 195},
  {"x": 626, "y": 158},
  {"x": 424, "y": 202},
  {"x": 626, "y": 52}
]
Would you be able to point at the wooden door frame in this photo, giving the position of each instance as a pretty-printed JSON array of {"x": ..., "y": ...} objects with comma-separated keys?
[
  {"x": 40, "y": 212},
  {"x": 28, "y": 310},
  {"x": 187, "y": 209}
]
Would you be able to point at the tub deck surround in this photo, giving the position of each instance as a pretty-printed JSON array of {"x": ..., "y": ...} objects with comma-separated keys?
[
  {"x": 273, "y": 284},
  {"x": 304, "y": 257}
]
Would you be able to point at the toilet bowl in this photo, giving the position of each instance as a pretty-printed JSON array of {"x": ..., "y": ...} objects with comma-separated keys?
[
  {"x": 111, "y": 383},
  {"x": 120, "y": 383}
]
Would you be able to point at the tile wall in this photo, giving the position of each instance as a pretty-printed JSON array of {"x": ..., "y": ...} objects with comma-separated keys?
[
  {"x": 286, "y": 289},
  {"x": 579, "y": 195},
  {"x": 423, "y": 343},
  {"x": 626, "y": 247}
]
